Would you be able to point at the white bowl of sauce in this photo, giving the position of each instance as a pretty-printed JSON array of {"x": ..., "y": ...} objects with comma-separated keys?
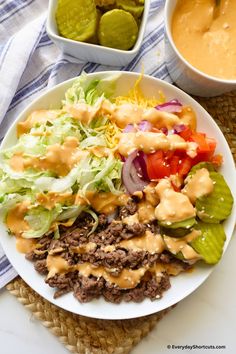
[{"x": 200, "y": 50}]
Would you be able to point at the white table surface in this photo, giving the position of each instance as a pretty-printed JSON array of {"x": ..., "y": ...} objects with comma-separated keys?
[{"x": 207, "y": 317}]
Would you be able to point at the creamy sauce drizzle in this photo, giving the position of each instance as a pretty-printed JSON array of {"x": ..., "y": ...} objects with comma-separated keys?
[
  {"x": 59, "y": 158},
  {"x": 24, "y": 245},
  {"x": 176, "y": 245},
  {"x": 150, "y": 194},
  {"x": 83, "y": 111},
  {"x": 174, "y": 206},
  {"x": 207, "y": 41},
  {"x": 148, "y": 242},
  {"x": 124, "y": 114},
  {"x": 102, "y": 202},
  {"x": 150, "y": 142},
  {"x": 152, "y": 243},
  {"x": 37, "y": 117},
  {"x": 199, "y": 185},
  {"x": 146, "y": 212},
  {"x": 127, "y": 279},
  {"x": 15, "y": 218},
  {"x": 131, "y": 219},
  {"x": 57, "y": 265},
  {"x": 129, "y": 113},
  {"x": 188, "y": 117}
]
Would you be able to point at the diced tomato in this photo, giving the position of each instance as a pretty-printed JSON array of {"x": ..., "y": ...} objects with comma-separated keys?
[
  {"x": 163, "y": 164},
  {"x": 174, "y": 164},
  {"x": 217, "y": 160},
  {"x": 169, "y": 154},
  {"x": 185, "y": 165},
  {"x": 157, "y": 166},
  {"x": 200, "y": 139},
  {"x": 212, "y": 144},
  {"x": 186, "y": 133}
]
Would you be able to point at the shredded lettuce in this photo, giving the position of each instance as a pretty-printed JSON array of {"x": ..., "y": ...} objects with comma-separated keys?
[
  {"x": 87, "y": 91},
  {"x": 40, "y": 220},
  {"x": 91, "y": 173}
]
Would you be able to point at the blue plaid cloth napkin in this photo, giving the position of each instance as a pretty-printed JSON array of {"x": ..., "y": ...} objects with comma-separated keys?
[{"x": 30, "y": 63}]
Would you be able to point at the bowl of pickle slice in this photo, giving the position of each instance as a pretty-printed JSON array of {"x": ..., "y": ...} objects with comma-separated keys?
[{"x": 99, "y": 24}]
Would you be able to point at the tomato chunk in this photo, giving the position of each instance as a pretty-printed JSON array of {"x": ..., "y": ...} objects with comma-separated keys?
[
  {"x": 186, "y": 133},
  {"x": 157, "y": 166},
  {"x": 200, "y": 139},
  {"x": 185, "y": 165},
  {"x": 174, "y": 164}
]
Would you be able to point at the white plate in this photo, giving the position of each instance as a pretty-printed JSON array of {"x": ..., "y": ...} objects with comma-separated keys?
[{"x": 182, "y": 285}]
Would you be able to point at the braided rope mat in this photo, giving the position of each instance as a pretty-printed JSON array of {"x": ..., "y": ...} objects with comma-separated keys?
[{"x": 82, "y": 335}]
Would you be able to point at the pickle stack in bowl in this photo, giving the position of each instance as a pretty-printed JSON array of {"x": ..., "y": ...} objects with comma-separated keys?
[{"x": 110, "y": 23}]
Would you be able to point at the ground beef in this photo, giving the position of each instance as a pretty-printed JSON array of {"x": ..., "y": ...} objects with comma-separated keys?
[
  {"x": 115, "y": 232},
  {"x": 119, "y": 258},
  {"x": 129, "y": 209},
  {"x": 41, "y": 266},
  {"x": 152, "y": 288},
  {"x": 41, "y": 252},
  {"x": 87, "y": 289},
  {"x": 108, "y": 232},
  {"x": 64, "y": 283}
]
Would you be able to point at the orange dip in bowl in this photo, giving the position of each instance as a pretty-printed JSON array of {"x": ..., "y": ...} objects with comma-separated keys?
[{"x": 206, "y": 35}]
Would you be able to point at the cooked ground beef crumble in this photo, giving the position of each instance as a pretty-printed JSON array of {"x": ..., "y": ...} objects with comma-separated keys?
[{"x": 108, "y": 233}]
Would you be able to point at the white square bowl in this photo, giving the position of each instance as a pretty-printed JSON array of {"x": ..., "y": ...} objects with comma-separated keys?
[{"x": 93, "y": 52}]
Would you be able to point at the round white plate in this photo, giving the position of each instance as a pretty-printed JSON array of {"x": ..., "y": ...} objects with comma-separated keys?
[{"x": 182, "y": 285}]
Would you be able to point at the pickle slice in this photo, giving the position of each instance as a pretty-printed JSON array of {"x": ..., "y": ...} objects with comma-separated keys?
[
  {"x": 76, "y": 19},
  {"x": 94, "y": 39},
  {"x": 185, "y": 224},
  {"x": 102, "y": 3},
  {"x": 210, "y": 243},
  {"x": 117, "y": 29},
  {"x": 200, "y": 165},
  {"x": 218, "y": 205},
  {"x": 130, "y": 6},
  {"x": 176, "y": 233}
]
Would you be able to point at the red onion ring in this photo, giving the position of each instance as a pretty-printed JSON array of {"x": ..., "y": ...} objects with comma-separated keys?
[
  {"x": 173, "y": 106},
  {"x": 130, "y": 178}
]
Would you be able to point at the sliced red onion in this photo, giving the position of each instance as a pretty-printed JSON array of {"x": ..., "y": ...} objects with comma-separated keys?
[
  {"x": 130, "y": 178},
  {"x": 173, "y": 106},
  {"x": 145, "y": 126},
  {"x": 129, "y": 129},
  {"x": 178, "y": 128},
  {"x": 164, "y": 130},
  {"x": 141, "y": 166}
]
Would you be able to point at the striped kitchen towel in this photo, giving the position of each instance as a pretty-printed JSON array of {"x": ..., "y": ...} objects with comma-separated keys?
[{"x": 30, "y": 63}]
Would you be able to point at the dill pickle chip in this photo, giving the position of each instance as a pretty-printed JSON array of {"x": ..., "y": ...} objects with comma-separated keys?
[
  {"x": 94, "y": 39},
  {"x": 130, "y": 6},
  {"x": 210, "y": 243},
  {"x": 218, "y": 205},
  {"x": 176, "y": 233},
  {"x": 76, "y": 19},
  {"x": 102, "y": 3},
  {"x": 185, "y": 224},
  {"x": 117, "y": 29},
  {"x": 209, "y": 166}
]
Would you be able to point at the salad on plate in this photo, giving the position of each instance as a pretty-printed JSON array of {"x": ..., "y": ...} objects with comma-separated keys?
[{"x": 113, "y": 195}]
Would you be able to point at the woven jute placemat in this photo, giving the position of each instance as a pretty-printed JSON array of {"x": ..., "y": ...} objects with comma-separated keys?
[{"x": 84, "y": 335}]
